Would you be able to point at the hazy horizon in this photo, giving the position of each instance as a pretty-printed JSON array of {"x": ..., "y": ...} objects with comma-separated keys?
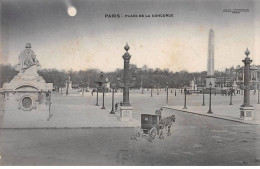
[
  {"x": 6, "y": 64},
  {"x": 91, "y": 41}
]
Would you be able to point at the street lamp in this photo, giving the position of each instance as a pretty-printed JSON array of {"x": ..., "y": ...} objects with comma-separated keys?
[
  {"x": 113, "y": 90},
  {"x": 87, "y": 89},
  {"x": 157, "y": 89},
  {"x": 67, "y": 87},
  {"x": 167, "y": 98},
  {"x": 254, "y": 83},
  {"x": 246, "y": 110},
  {"x": 126, "y": 79},
  {"x": 231, "y": 93},
  {"x": 118, "y": 77},
  {"x": 97, "y": 97},
  {"x": 210, "y": 111},
  {"x": 203, "y": 90},
  {"x": 258, "y": 95},
  {"x": 101, "y": 81},
  {"x": 185, "y": 92},
  {"x": 103, "y": 105},
  {"x": 246, "y": 86},
  {"x": 151, "y": 90},
  {"x": 82, "y": 83},
  {"x": 61, "y": 88},
  {"x": 142, "y": 84}
]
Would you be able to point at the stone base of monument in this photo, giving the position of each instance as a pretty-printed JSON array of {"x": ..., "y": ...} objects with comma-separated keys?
[
  {"x": 126, "y": 113},
  {"x": 213, "y": 91},
  {"x": 208, "y": 80},
  {"x": 247, "y": 113},
  {"x": 21, "y": 107},
  {"x": 27, "y": 99}
]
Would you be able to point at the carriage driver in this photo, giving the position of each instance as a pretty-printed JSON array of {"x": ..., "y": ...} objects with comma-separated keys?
[{"x": 159, "y": 112}]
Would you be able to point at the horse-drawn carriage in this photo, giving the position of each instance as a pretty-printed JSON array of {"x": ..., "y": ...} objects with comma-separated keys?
[
  {"x": 153, "y": 127},
  {"x": 228, "y": 92}
]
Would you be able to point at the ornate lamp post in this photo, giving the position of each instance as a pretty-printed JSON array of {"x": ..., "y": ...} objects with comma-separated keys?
[
  {"x": 231, "y": 93},
  {"x": 203, "y": 90},
  {"x": 210, "y": 111},
  {"x": 82, "y": 83},
  {"x": 258, "y": 95},
  {"x": 97, "y": 97},
  {"x": 126, "y": 79},
  {"x": 87, "y": 89},
  {"x": 246, "y": 110},
  {"x": 118, "y": 77},
  {"x": 68, "y": 83},
  {"x": 167, "y": 95},
  {"x": 185, "y": 93},
  {"x": 246, "y": 86},
  {"x": 254, "y": 79},
  {"x": 151, "y": 90},
  {"x": 126, "y": 109},
  {"x": 100, "y": 83},
  {"x": 157, "y": 89},
  {"x": 103, "y": 103},
  {"x": 67, "y": 86},
  {"x": 61, "y": 88},
  {"x": 113, "y": 91},
  {"x": 142, "y": 84}
]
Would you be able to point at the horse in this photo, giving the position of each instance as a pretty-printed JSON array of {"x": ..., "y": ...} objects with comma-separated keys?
[{"x": 167, "y": 123}]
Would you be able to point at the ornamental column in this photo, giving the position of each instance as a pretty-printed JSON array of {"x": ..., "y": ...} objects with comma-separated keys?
[{"x": 246, "y": 110}]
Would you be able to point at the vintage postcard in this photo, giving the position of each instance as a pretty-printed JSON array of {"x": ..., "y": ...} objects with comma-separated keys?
[{"x": 129, "y": 82}]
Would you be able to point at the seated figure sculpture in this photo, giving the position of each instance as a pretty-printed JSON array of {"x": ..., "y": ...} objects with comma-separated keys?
[{"x": 27, "y": 59}]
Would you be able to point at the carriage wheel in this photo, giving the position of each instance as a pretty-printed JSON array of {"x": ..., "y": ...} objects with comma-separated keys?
[
  {"x": 165, "y": 131},
  {"x": 153, "y": 134},
  {"x": 161, "y": 136},
  {"x": 138, "y": 133}
]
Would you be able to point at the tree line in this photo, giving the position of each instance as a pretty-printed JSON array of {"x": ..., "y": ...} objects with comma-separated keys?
[{"x": 145, "y": 77}]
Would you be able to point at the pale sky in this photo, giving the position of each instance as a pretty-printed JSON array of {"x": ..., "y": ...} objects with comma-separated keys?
[{"x": 89, "y": 40}]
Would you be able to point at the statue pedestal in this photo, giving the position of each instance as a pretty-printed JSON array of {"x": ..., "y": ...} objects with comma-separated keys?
[
  {"x": 208, "y": 80},
  {"x": 126, "y": 113},
  {"x": 27, "y": 99},
  {"x": 247, "y": 113}
]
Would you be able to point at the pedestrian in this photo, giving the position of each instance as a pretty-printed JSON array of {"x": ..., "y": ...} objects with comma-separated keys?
[{"x": 116, "y": 106}]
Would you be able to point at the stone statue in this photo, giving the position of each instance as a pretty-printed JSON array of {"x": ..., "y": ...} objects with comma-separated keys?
[{"x": 27, "y": 58}]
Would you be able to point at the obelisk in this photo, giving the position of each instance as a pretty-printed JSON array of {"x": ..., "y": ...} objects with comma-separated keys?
[{"x": 210, "y": 66}]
